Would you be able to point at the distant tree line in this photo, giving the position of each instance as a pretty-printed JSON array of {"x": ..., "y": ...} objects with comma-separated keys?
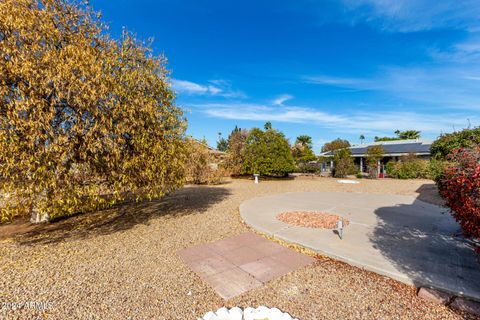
[{"x": 401, "y": 135}]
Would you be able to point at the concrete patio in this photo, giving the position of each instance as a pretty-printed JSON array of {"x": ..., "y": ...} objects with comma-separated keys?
[{"x": 397, "y": 236}]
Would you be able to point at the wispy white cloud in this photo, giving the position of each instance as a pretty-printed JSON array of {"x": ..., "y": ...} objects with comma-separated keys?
[
  {"x": 281, "y": 99},
  {"x": 189, "y": 87},
  {"x": 418, "y": 15},
  {"x": 465, "y": 52},
  {"x": 344, "y": 122},
  {"x": 446, "y": 87},
  {"x": 341, "y": 82},
  {"x": 221, "y": 88}
]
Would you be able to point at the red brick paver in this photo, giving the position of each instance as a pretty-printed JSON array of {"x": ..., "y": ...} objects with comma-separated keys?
[{"x": 235, "y": 265}]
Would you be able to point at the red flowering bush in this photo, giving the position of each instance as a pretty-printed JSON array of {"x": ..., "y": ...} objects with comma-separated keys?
[{"x": 460, "y": 187}]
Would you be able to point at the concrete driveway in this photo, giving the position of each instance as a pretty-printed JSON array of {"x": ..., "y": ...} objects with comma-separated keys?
[{"x": 397, "y": 236}]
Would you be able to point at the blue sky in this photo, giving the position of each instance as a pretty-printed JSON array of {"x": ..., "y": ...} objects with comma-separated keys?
[{"x": 324, "y": 68}]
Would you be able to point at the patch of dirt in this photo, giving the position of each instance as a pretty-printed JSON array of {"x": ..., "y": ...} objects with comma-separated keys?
[{"x": 311, "y": 219}]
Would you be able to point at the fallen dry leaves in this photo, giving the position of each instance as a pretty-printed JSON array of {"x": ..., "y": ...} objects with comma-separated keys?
[{"x": 311, "y": 219}]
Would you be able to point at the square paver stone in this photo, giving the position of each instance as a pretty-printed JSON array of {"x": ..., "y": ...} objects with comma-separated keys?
[
  {"x": 232, "y": 282},
  {"x": 238, "y": 264},
  {"x": 266, "y": 269}
]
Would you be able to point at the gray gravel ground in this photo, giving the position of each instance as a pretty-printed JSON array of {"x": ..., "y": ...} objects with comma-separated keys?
[{"x": 122, "y": 264}]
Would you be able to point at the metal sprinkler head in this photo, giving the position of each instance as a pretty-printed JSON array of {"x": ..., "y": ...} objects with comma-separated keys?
[{"x": 340, "y": 228}]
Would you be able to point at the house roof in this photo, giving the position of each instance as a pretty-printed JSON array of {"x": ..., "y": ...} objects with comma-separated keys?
[{"x": 392, "y": 148}]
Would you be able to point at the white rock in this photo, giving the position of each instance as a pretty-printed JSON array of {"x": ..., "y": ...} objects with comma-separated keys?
[
  {"x": 275, "y": 314},
  {"x": 236, "y": 313},
  {"x": 210, "y": 316},
  {"x": 263, "y": 308},
  {"x": 223, "y": 314},
  {"x": 248, "y": 314},
  {"x": 261, "y": 312},
  {"x": 286, "y": 316}
]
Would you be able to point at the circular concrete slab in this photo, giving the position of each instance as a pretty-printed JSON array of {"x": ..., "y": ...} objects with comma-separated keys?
[{"x": 398, "y": 236}]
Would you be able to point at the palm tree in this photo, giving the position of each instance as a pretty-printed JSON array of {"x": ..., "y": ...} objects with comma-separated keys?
[
  {"x": 408, "y": 134},
  {"x": 362, "y": 138},
  {"x": 305, "y": 141}
]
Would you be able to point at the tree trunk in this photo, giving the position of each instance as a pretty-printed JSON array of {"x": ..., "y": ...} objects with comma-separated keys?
[{"x": 37, "y": 216}]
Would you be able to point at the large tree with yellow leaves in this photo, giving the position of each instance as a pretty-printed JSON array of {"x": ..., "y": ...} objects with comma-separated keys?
[{"x": 85, "y": 120}]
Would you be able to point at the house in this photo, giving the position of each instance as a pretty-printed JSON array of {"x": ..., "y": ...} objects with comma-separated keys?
[{"x": 394, "y": 150}]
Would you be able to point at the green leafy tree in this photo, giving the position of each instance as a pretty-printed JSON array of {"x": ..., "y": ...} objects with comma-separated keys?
[
  {"x": 267, "y": 125},
  {"x": 302, "y": 150},
  {"x": 267, "y": 153},
  {"x": 85, "y": 120},
  {"x": 343, "y": 163},
  {"x": 335, "y": 145},
  {"x": 373, "y": 156},
  {"x": 222, "y": 143}
]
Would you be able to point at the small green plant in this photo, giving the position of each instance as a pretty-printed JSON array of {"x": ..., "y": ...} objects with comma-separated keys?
[{"x": 359, "y": 175}]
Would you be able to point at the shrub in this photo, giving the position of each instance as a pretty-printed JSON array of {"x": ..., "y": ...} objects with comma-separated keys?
[
  {"x": 390, "y": 167},
  {"x": 84, "y": 120},
  {"x": 307, "y": 168},
  {"x": 446, "y": 143},
  {"x": 460, "y": 187},
  {"x": 436, "y": 169},
  {"x": 201, "y": 166},
  {"x": 267, "y": 153},
  {"x": 343, "y": 163},
  {"x": 409, "y": 167}
]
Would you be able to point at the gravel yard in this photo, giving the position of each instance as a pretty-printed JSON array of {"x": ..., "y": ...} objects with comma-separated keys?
[{"x": 122, "y": 264}]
